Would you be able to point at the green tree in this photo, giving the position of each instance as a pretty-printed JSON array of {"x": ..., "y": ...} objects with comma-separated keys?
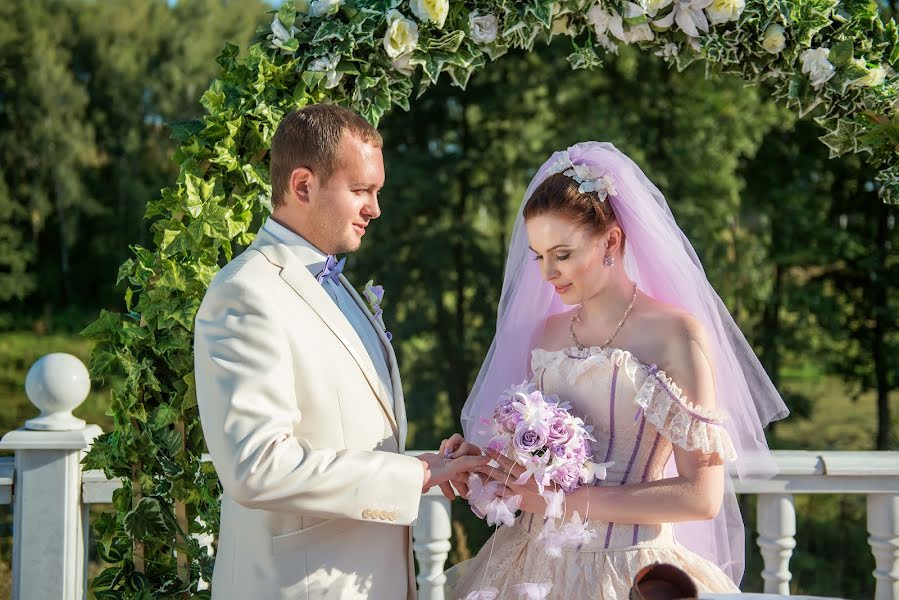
[{"x": 46, "y": 143}]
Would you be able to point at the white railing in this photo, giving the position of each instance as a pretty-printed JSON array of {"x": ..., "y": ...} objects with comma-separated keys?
[{"x": 51, "y": 496}]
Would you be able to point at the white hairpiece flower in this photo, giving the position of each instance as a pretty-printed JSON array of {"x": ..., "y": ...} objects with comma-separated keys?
[{"x": 589, "y": 177}]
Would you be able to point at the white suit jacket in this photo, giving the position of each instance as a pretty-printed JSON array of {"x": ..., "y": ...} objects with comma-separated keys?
[{"x": 318, "y": 495}]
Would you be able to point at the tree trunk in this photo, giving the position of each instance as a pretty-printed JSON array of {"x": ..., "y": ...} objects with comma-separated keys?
[{"x": 64, "y": 265}]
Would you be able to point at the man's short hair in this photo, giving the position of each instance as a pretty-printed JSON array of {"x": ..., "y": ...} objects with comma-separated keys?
[{"x": 309, "y": 137}]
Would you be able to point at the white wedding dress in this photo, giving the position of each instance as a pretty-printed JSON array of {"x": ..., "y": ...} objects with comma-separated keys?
[{"x": 638, "y": 413}]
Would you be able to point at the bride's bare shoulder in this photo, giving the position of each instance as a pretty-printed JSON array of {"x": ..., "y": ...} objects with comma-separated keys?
[
  {"x": 681, "y": 344},
  {"x": 556, "y": 335}
]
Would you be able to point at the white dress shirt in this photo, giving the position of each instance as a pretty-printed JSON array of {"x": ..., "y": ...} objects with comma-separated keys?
[{"x": 315, "y": 259}]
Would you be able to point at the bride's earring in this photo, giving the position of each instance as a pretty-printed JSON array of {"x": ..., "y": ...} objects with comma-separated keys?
[{"x": 608, "y": 261}]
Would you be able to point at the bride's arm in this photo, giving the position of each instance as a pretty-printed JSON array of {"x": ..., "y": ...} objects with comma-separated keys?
[
  {"x": 697, "y": 491},
  {"x": 694, "y": 495}
]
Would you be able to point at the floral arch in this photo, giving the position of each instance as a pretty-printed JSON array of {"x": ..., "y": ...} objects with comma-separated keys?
[{"x": 371, "y": 55}]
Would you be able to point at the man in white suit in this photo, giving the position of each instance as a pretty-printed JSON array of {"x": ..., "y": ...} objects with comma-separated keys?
[{"x": 299, "y": 392}]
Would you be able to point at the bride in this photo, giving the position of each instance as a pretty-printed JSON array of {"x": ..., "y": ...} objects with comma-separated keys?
[{"x": 605, "y": 304}]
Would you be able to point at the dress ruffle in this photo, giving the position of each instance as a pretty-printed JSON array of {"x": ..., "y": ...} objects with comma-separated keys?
[{"x": 661, "y": 400}]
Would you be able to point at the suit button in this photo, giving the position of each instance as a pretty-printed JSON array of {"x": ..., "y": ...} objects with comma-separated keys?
[{"x": 366, "y": 514}]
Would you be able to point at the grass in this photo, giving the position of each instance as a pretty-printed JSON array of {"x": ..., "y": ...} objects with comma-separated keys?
[{"x": 832, "y": 557}]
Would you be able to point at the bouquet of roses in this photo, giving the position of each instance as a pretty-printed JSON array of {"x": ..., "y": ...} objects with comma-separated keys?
[{"x": 539, "y": 433}]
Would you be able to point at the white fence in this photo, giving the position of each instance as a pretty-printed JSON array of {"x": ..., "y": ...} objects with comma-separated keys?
[{"x": 51, "y": 496}]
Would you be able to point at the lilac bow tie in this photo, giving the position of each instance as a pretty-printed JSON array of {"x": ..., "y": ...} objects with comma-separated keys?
[{"x": 332, "y": 270}]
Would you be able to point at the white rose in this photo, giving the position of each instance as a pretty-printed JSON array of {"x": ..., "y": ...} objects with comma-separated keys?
[
  {"x": 874, "y": 77},
  {"x": 722, "y": 11},
  {"x": 401, "y": 64},
  {"x": 320, "y": 8},
  {"x": 401, "y": 36},
  {"x": 327, "y": 65},
  {"x": 775, "y": 39},
  {"x": 483, "y": 28},
  {"x": 430, "y": 10},
  {"x": 817, "y": 67}
]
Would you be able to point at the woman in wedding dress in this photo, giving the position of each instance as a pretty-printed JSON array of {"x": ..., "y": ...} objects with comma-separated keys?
[{"x": 606, "y": 305}]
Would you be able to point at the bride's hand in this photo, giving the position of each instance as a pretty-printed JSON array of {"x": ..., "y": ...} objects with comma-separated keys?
[
  {"x": 507, "y": 473},
  {"x": 454, "y": 447}
]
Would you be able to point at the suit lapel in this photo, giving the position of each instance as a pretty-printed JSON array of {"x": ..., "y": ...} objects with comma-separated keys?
[
  {"x": 298, "y": 277},
  {"x": 398, "y": 400}
]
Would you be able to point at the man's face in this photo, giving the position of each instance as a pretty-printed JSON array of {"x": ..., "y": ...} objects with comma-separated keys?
[{"x": 343, "y": 206}]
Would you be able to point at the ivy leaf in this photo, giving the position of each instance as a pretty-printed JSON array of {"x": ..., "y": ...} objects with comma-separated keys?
[
  {"x": 169, "y": 440},
  {"x": 287, "y": 14},
  {"x": 840, "y": 54},
  {"x": 144, "y": 520},
  {"x": 163, "y": 416}
]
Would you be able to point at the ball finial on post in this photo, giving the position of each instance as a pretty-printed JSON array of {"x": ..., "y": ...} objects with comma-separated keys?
[{"x": 57, "y": 384}]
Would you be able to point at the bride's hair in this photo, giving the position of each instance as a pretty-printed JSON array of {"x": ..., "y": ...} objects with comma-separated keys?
[{"x": 558, "y": 194}]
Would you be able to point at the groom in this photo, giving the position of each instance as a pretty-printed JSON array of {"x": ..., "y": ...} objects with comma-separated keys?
[{"x": 299, "y": 392}]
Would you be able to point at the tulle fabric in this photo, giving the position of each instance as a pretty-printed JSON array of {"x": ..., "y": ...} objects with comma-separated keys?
[{"x": 664, "y": 265}]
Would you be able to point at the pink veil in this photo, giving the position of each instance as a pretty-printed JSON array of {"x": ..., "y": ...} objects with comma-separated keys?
[{"x": 661, "y": 260}]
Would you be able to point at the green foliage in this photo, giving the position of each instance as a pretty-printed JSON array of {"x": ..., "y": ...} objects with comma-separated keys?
[{"x": 299, "y": 60}]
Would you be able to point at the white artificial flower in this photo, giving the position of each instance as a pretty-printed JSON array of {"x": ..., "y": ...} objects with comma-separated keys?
[
  {"x": 483, "y": 28},
  {"x": 401, "y": 64},
  {"x": 722, "y": 11},
  {"x": 688, "y": 15},
  {"x": 327, "y": 65},
  {"x": 606, "y": 21},
  {"x": 430, "y": 10},
  {"x": 639, "y": 33},
  {"x": 401, "y": 36},
  {"x": 320, "y": 8},
  {"x": 652, "y": 7},
  {"x": 668, "y": 51},
  {"x": 562, "y": 163},
  {"x": 817, "y": 67},
  {"x": 874, "y": 77},
  {"x": 280, "y": 35},
  {"x": 775, "y": 39}
]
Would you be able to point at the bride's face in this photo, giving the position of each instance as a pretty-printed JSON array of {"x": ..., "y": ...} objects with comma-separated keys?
[{"x": 569, "y": 254}]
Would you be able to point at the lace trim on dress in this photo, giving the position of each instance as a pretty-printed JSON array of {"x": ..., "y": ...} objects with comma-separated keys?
[{"x": 683, "y": 423}]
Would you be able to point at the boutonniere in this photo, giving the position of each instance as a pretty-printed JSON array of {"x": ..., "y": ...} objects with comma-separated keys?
[{"x": 373, "y": 294}]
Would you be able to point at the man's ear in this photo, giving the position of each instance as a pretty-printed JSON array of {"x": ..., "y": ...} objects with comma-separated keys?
[{"x": 302, "y": 181}]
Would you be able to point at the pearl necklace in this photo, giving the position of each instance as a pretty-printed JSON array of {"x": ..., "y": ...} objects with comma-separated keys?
[{"x": 577, "y": 317}]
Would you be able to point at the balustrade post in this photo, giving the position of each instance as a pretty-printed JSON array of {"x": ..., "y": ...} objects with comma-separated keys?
[
  {"x": 883, "y": 525},
  {"x": 50, "y": 523},
  {"x": 777, "y": 538},
  {"x": 431, "y": 533}
]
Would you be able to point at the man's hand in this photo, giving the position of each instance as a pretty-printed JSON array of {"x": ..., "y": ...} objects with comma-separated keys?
[
  {"x": 454, "y": 447},
  {"x": 440, "y": 470}
]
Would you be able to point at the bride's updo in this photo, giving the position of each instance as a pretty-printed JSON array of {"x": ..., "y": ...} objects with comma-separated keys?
[{"x": 558, "y": 195}]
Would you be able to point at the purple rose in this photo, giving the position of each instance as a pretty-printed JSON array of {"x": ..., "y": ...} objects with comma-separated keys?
[
  {"x": 530, "y": 439},
  {"x": 559, "y": 432},
  {"x": 567, "y": 476}
]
